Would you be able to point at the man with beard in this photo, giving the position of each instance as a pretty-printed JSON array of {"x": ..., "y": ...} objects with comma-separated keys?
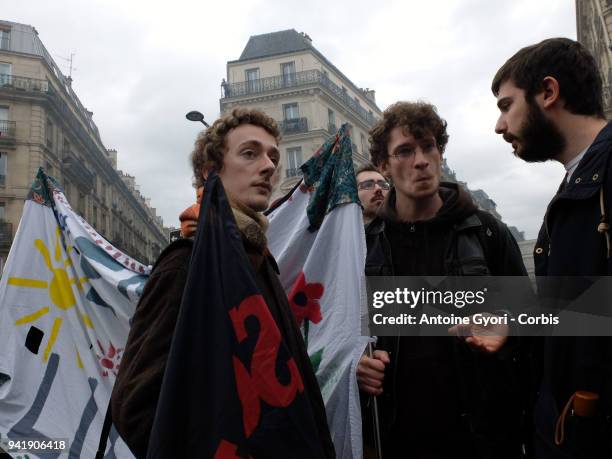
[
  {"x": 438, "y": 396},
  {"x": 550, "y": 99},
  {"x": 372, "y": 189}
]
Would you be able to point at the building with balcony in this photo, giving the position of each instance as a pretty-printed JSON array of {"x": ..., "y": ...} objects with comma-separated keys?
[
  {"x": 284, "y": 75},
  {"x": 43, "y": 123},
  {"x": 594, "y": 30}
]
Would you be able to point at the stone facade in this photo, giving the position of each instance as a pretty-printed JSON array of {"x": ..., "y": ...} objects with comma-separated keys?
[
  {"x": 594, "y": 30},
  {"x": 43, "y": 124},
  {"x": 282, "y": 74}
]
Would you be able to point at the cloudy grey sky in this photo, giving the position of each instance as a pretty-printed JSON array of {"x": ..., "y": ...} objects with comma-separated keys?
[{"x": 141, "y": 65}]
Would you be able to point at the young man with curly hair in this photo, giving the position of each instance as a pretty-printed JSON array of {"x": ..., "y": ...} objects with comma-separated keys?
[
  {"x": 439, "y": 397},
  {"x": 242, "y": 148}
]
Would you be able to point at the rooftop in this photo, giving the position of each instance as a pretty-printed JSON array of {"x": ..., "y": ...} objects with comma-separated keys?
[{"x": 286, "y": 42}]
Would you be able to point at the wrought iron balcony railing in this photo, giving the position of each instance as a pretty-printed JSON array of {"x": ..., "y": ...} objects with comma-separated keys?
[
  {"x": 294, "y": 126},
  {"x": 75, "y": 168},
  {"x": 22, "y": 83},
  {"x": 295, "y": 80},
  {"x": 7, "y": 129},
  {"x": 6, "y": 235},
  {"x": 295, "y": 172}
]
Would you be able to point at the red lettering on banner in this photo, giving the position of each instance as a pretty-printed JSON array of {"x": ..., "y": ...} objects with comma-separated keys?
[
  {"x": 227, "y": 450},
  {"x": 261, "y": 383}
]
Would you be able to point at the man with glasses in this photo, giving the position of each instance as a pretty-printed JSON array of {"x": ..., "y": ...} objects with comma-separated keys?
[
  {"x": 439, "y": 397},
  {"x": 372, "y": 189}
]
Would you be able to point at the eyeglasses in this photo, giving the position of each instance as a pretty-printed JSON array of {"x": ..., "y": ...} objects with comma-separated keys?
[
  {"x": 408, "y": 151},
  {"x": 369, "y": 184}
]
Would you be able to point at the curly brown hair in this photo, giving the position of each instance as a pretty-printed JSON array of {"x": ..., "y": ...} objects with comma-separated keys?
[
  {"x": 210, "y": 145},
  {"x": 416, "y": 118}
]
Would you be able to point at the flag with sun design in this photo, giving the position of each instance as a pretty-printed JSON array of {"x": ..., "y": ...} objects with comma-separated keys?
[
  {"x": 66, "y": 297},
  {"x": 316, "y": 235}
]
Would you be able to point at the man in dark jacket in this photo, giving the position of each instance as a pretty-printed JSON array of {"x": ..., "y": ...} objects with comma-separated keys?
[
  {"x": 550, "y": 99},
  {"x": 243, "y": 149},
  {"x": 439, "y": 397}
]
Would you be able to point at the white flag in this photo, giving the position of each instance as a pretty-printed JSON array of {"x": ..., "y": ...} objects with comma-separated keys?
[
  {"x": 66, "y": 297},
  {"x": 317, "y": 238}
]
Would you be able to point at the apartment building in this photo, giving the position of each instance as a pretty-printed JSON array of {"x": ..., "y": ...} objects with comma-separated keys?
[
  {"x": 44, "y": 124},
  {"x": 594, "y": 30},
  {"x": 284, "y": 75}
]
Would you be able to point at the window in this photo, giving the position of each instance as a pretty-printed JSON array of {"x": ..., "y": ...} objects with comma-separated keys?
[
  {"x": 294, "y": 161},
  {"x": 81, "y": 205},
  {"x": 290, "y": 111},
  {"x": 252, "y": 77},
  {"x": 288, "y": 72},
  {"x": 67, "y": 146},
  {"x": 2, "y": 206},
  {"x": 5, "y": 73},
  {"x": 94, "y": 218},
  {"x": 3, "y": 167},
  {"x": 103, "y": 192},
  {"x": 5, "y": 38},
  {"x": 49, "y": 133},
  {"x": 331, "y": 121},
  {"x": 364, "y": 144},
  {"x": 5, "y": 127}
]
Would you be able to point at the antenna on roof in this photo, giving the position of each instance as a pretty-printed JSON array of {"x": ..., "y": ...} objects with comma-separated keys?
[{"x": 69, "y": 60}]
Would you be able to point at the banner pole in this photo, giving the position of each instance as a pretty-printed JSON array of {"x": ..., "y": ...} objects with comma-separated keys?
[{"x": 375, "y": 420}]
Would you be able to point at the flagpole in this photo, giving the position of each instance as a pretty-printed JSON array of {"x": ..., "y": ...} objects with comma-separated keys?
[{"x": 375, "y": 420}]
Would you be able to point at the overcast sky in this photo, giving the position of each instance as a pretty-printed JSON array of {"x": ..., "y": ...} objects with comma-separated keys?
[{"x": 141, "y": 65}]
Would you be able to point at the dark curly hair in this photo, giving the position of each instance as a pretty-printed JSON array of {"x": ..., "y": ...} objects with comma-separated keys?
[
  {"x": 210, "y": 145},
  {"x": 417, "y": 118},
  {"x": 569, "y": 62}
]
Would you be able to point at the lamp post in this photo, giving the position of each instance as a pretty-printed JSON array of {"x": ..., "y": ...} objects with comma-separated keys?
[{"x": 194, "y": 115}]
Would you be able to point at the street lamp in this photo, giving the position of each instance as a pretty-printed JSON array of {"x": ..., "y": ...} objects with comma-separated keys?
[{"x": 194, "y": 115}]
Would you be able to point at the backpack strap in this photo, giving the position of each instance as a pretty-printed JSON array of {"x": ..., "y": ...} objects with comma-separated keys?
[
  {"x": 106, "y": 428},
  {"x": 604, "y": 224},
  {"x": 468, "y": 254}
]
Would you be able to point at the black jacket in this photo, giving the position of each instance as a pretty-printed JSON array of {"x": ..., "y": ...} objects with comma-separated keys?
[
  {"x": 569, "y": 245},
  {"x": 136, "y": 392},
  {"x": 442, "y": 399}
]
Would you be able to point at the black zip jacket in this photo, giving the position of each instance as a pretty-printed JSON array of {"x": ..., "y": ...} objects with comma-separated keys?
[{"x": 441, "y": 398}]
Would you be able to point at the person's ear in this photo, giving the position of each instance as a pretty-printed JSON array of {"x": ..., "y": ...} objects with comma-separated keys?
[
  {"x": 383, "y": 168},
  {"x": 550, "y": 92}
]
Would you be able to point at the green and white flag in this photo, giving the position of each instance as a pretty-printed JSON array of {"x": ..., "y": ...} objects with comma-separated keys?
[
  {"x": 316, "y": 235},
  {"x": 66, "y": 298}
]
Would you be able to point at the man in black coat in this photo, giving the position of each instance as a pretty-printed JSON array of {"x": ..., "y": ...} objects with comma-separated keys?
[
  {"x": 439, "y": 397},
  {"x": 550, "y": 99}
]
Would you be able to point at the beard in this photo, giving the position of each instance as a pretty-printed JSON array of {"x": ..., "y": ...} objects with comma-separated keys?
[{"x": 540, "y": 139}]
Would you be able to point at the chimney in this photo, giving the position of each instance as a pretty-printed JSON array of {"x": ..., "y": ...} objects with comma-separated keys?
[
  {"x": 370, "y": 94},
  {"x": 112, "y": 157}
]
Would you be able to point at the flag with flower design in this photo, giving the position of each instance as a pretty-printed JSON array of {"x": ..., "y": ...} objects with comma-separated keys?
[
  {"x": 66, "y": 297},
  {"x": 316, "y": 235}
]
